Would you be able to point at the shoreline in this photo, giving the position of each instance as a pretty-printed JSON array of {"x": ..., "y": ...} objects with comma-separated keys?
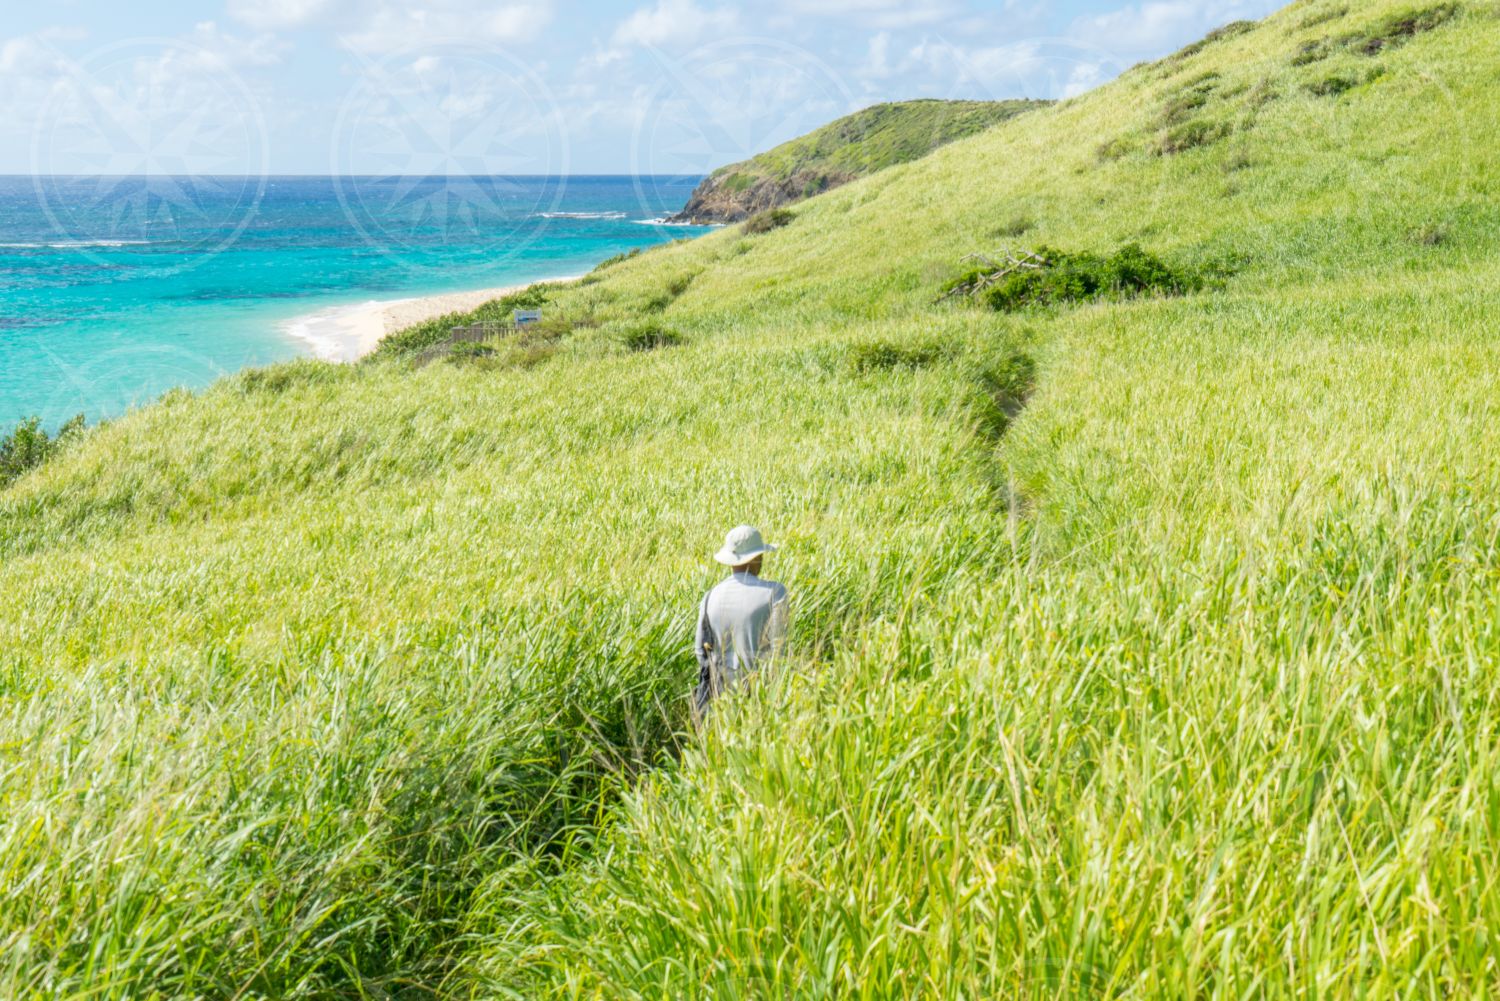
[{"x": 347, "y": 333}]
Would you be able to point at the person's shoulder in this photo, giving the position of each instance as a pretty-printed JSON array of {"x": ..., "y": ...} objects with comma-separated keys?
[
  {"x": 724, "y": 586},
  {"x": 778, "y": 589}
]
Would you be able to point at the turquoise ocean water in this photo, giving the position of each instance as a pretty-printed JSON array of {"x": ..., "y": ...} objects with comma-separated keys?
[{"x": 114, "y": 290}]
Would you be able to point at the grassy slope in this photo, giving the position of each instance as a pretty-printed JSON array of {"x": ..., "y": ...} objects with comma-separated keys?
[
  {"x": 1183, "y": 685},
  {"x": 855, "y": 146},
  {"x": 879, "y": 137}
]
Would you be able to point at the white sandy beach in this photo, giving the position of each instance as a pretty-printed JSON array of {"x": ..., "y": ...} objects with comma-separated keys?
[{"x": 348, "y": 333}]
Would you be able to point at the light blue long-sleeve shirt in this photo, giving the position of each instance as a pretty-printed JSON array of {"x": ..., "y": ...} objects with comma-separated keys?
[{"x": 741, "y": 622}]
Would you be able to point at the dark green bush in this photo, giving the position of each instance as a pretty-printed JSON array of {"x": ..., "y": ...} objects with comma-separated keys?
[
  {"x": 1190, "y": 136},
  {"x": 1018, "y": 225},
  {"x": 1431, "y": 235},
  {"x": 767, "y": 221},
  {"x": 423, "y": 336},
  {"x": 1399, "y": 28},
  {"x": 1310, "y": 52},
  {"x": 1322, "y": 17},
  {"x": 529, "y": 355},
  {"x": 649, "y": 336},
  {"x": 469, "y": 351},
  {"x": 1332, "y": 86},
  {"x": 1114, "y": 149},
  {"x": 610, "y": 262},
  {"x": 879, "y": 356},
  {"x": 1127, "y": 273},
  {"x": 1217, "y": 35},
  {"x": 738, "y": 183},
  {"x": 1264, "y": 93},
  {"x": 279, "y": 378},
  {"x": 554, "y": 327},
  {"x": 29, "y": 445},
  {"x": 1180, "y": 107},
  {"x": 673, "y": 291},
  {"x": 1337, "y": 83}
]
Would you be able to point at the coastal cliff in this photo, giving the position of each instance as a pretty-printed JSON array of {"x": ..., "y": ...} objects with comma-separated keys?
[{"x": 850, "y": 148}]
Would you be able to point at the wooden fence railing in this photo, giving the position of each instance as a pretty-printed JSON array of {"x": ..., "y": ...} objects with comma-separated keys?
[{"x": 478, "y": 333}]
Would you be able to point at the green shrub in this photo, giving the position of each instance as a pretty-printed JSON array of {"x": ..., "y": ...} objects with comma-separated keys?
[
  {"x": 1310, "y": 52},
  {"x": 279, "y": 378},
  {"x": 1181, "y": 107},
  {"x": 423, "y": 336},
  {"x": 525, "y": 356},
  {"x": 1237, "y": 161},
  {"x": 470, "y": 351},
  {"x": 1264, "y": 93},
  {"x": 1114, "y": 149},
  {"x": 815, "y": 186},
  {"x": 880, "y": 356},
  {"x": 1332, "y": 86},
  {"x": 737, "y": 183},
  {"x": 1399, "y": 28},
  {"x": 1337, "y": 83},
  {"x": 1190, "y": 136},
  {"x": 1217, "y": 35},
  {"x": 610, "y": 262},
  {"x": 1018, "y": 225},
  {"x": 767, "y": 221},
  {"x": 29, "y": 445},
  {"x": 554, "y": 326},
  {"x": 1431, "y": 235},
  {"x": 1127, "y": 273},
  {"x": 676, "y": 286},
  {"x": 649, "y": 336},
  {"x": 1322, "y": 17}
]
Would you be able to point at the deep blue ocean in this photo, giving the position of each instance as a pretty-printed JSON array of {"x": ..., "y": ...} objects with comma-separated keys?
[{"x": 114, "y": 290}]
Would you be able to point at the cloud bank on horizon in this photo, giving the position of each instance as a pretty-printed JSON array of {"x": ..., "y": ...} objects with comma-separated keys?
[{"x": 525, "y": 86}]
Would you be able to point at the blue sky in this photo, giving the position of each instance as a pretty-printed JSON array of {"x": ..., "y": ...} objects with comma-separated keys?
[{"x": 524, "y": 86}]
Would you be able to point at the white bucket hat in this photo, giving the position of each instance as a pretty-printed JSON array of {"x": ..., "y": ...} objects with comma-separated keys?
[{"x": 741, "y": 546}]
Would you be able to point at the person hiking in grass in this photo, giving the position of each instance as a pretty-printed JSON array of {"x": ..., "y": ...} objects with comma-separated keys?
[{"x": 741, "y": 622}]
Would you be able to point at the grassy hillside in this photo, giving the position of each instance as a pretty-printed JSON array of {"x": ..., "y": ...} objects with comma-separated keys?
[
  {"x": 855, "y": 146},
  {"x": 1142, "y": 647}
]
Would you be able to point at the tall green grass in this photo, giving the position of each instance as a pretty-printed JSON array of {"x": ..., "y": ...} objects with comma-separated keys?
[{"x": 1141, "y": 648}]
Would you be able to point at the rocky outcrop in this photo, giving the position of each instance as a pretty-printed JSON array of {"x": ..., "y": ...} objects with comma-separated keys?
[{"x": 726, "y": 198}]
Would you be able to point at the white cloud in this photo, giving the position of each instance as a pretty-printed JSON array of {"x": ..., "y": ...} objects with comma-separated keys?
[
  {"x": 208, "y": 48},
  {"x": 1157, "y": 27},
  {"x": 26, "y": 57},
  {"x": 878, "y": 63},
  {"x": 275, "y": 15},
  {"x": 388, "y": 25},
  {"x": 879, "y": 14},
  {"x": 1035, "y": 68},
  {"x": 1085, "y": 77},
  {"x": 672, "y": 23}
]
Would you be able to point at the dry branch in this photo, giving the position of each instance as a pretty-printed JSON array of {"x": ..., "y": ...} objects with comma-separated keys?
[{"x": 1000, "y": 266}]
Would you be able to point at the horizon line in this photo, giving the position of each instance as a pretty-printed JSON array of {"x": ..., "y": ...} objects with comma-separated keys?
[{"x": 375, "y": 177}]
